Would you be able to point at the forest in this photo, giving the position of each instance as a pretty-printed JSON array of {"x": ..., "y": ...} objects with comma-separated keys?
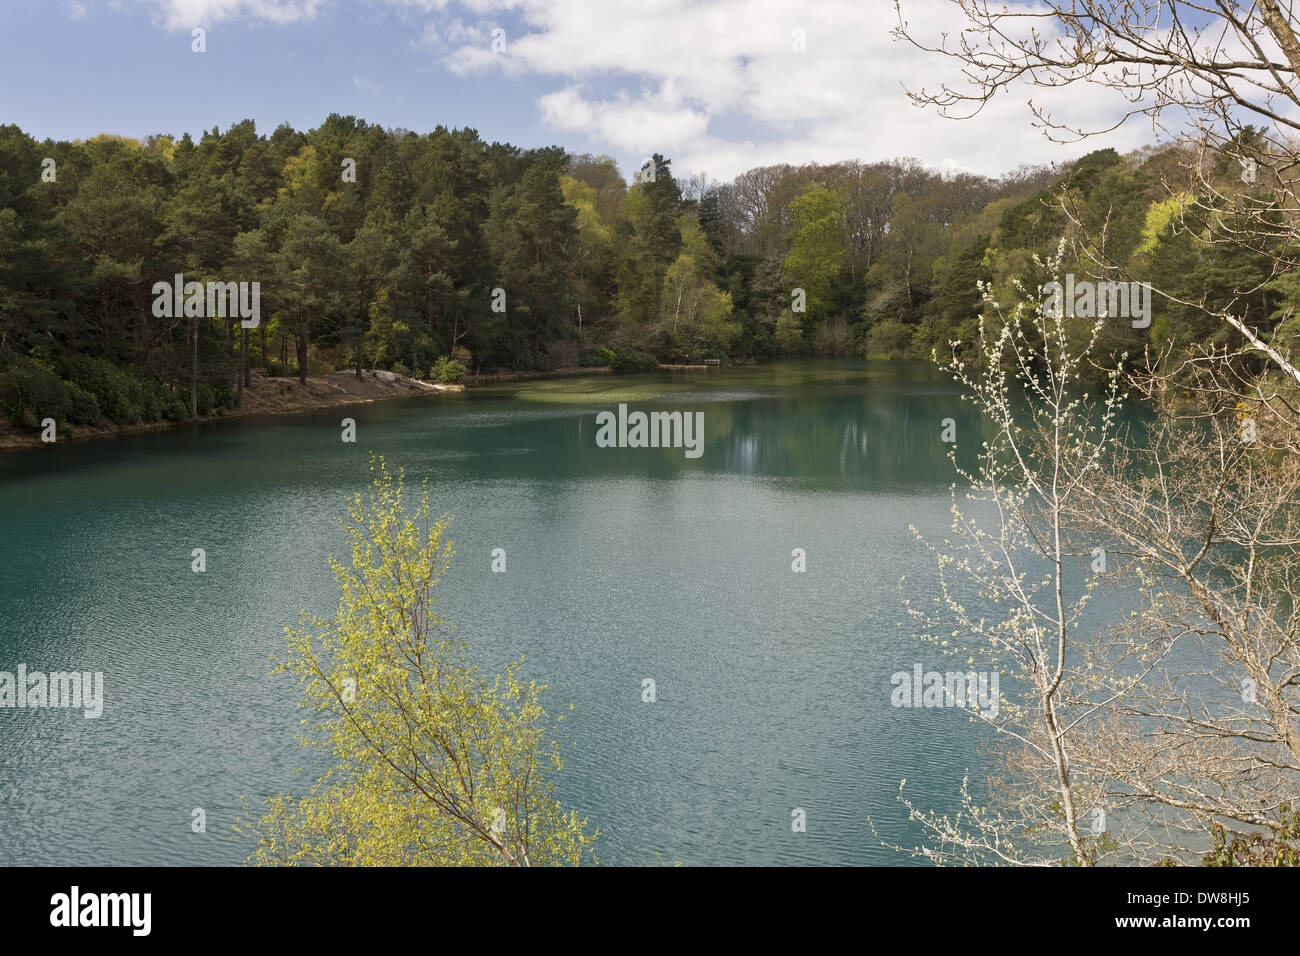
[{"x": 440, "y": 255}]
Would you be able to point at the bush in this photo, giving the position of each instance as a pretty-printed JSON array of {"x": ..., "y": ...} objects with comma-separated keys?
[
  {"x": 834, "y": 338},
  {"x": 120, "y": 395},
  {"x": 174, "y": 407},
  {"x": 598, "y": 357},
  {"x": 214, "y": 398},
  {"x": 30, "y": 393},
  {"x": 125, "y": 395},
  {"x": 83, "y": 408},
  {"x": 447, "y": 371},
  {"x": 150, "y": 402},
  {"x": 560, "y": 355},
  {"x": 889, "y": 339},
  {"x": 634, "y": 361},
  {"x": 400, "y": 369},
  {"x": 90, "y": 389}
]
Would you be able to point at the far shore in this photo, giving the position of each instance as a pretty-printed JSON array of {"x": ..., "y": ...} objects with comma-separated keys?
[
  {"x": 492, "y": 378},
  {"x": 264, "y": 396},
  {"x": 285, "y": 395}
]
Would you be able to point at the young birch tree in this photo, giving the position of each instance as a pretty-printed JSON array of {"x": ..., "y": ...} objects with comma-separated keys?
[
  {"x": 434, "y": 764},
  {"x": 1012, "y": 547}
]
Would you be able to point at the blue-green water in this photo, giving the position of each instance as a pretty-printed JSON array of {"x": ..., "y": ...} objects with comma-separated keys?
[{"x": 773, "y": 687}]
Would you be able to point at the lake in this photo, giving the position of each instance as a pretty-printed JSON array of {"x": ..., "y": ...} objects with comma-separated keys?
[{"x": 773, "y": 687}]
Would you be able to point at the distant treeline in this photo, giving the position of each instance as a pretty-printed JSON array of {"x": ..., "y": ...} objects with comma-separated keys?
[{"x": 432, "y": 254}]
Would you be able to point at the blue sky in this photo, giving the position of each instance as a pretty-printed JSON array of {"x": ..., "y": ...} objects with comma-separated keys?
[{"x": 717, "y": 86}]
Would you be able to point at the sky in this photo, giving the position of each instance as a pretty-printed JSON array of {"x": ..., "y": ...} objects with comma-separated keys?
[{"x": 717, "y": 86}]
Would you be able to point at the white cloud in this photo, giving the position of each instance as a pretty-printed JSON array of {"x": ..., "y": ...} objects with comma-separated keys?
[
  {"x": 185, "y": 14},
  {"x": 718, "y": 85},
  {"x": 365, "y": 86},
  {"x": 466, "y": 34},
  {"x": 641, "y": 124},
  {"x": 702, "y": 65},
  {"x": 178, "y": 14}
]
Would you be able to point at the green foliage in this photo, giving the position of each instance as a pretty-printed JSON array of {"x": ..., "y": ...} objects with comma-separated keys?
[
  {"x": 695, "y": 313},
  {"x": 415, "y": 259},
  {"x": 1160, "y": 216},
  {"x": 954, "y": 310},
  {"x": 632, "y": 360},
  {"x": 126, "y": 397},
  {"x": 651, "y": 239},
  {"x": 888, "y": 340},
  {"x": 448, "y": 371},
  {"x": 788, "y": 334},
  {"x": 816, "y": 246},
  {"x": 83, "y": 408},
  {"x": 29, "y": 394},
  {"x": 214, "y": 399},
  {"x": 433, "y": 763}
]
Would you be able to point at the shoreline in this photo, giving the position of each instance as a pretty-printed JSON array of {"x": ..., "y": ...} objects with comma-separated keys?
[
  {"x": 264, "y": 397},
  {"x": 494, "y": 378},
  {"x": 268, "y": 396}
]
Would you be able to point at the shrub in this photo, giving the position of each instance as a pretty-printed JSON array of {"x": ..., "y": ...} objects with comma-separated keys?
[
  {"x": 86, "y": 389},
  {"x": 83, "y": 408},
  {"x": 174, "y": 407},
  {"x": 598, "y": 357},
  {"x": 834, "y": 338},
  {"x": 30, "y": 393},
  {"x": 225, "y": 393},
  {"x": 447, "y": 371},
  {"x": 889, "y": 339},
  {"x": 634, "y": 361},
  {"x": 401, "y": 369},
  {"x": 150, "y": 401},
  {"x": 126, "y": 396},
  {"x": 559, "y": 355},
  {"x": 214, "y": 398},
  {"x": 121, "y": 396}
]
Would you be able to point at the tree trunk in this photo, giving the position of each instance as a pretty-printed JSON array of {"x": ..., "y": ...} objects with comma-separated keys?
[
  {"x": 302, "y": 354},
  {"x": 239, "y": 368},
  {"x": 194, "y": 367}
]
